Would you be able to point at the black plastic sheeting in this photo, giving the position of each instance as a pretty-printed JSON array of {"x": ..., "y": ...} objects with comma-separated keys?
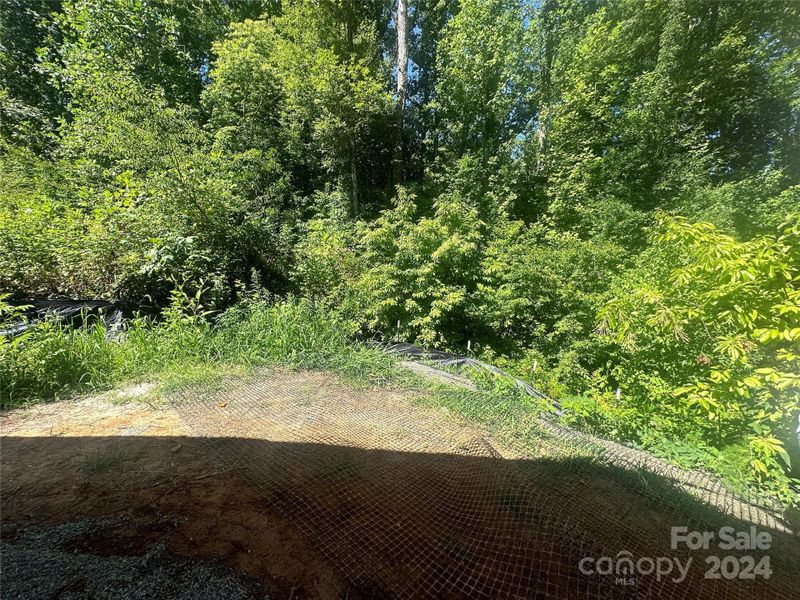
[
  {"x": 461, "y": 362},
  {"x": 73, "y": 313}
]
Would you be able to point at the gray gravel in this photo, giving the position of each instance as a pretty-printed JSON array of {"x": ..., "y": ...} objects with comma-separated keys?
[{"x": 42, "y": 562}]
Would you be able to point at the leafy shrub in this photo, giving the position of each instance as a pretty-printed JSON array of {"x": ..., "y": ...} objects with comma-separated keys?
[
  {"x": 328, "y": 261},
  {"x": 423, "y": 271},
  {"x": 707, "y": 330}
]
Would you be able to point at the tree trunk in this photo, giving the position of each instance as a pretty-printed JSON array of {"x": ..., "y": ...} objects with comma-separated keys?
[
  {"x": 402, "y": 89},
  {"x": 350, "y": 26},
  {"x": 549, "y": 25}
]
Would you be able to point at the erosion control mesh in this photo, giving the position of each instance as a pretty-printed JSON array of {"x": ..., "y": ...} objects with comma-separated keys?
[
  {"x": 446, "y": 359},
  {"x": 409, "y": 502}
]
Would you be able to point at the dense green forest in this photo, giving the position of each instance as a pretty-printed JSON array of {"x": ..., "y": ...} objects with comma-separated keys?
[{"x": 602, "y": 196}]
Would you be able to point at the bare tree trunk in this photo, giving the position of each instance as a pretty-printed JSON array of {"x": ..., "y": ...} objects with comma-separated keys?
[
  {"x": 402, "y": 89},
  {"x": 548, "y": 11},
  {"x": 349, "y": 33}
]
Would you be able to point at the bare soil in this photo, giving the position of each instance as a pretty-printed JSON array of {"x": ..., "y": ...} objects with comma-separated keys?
[
  {"x": 135, "y": 464},
  {"x": 316, "y": 490}
]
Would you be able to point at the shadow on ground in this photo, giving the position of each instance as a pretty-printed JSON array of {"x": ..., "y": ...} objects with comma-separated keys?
[{"x": 305, "y": 520}]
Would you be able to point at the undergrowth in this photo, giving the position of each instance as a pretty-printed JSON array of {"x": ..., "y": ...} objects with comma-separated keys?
[
  {"x": 514, "y": 418},
  {"x": 189, "y": 345}
]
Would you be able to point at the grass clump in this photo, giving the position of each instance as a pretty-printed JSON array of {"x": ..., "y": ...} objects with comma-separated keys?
[{"x": 101, "y": 461}]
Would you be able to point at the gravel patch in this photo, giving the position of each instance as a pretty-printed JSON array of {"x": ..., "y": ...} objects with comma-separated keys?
[{"x": 44, "y": 562}]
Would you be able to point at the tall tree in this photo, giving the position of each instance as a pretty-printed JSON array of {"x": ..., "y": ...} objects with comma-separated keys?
[
  {"x": 402, "y": 87},
  {"x": 427, "y": 21},
  {"x": 29, "y": 103},
  {"x": 308, "y": 88},
  {"x": 704, "y": 92},
  {"x": 484, "y": 77}
]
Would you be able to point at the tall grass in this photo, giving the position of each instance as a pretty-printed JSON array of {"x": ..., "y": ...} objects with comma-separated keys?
[{"x": 51, "y": 360}]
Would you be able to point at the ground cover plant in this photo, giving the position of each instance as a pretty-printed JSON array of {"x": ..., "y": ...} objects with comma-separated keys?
[{"x": 600, "y": 197}]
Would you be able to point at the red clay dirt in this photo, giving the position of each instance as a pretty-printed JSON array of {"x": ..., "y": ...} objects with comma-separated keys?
[
  {"x": 68, "y": 460},
  {"x": 165, "y": 489},
  {"x": 328, "y": 519}
]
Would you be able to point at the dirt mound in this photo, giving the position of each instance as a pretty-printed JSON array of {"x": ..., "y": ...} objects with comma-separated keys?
[{"x": 316, "y": 490}]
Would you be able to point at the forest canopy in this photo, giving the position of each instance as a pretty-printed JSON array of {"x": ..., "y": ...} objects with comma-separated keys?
[{"x": 602, "y": 196}]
